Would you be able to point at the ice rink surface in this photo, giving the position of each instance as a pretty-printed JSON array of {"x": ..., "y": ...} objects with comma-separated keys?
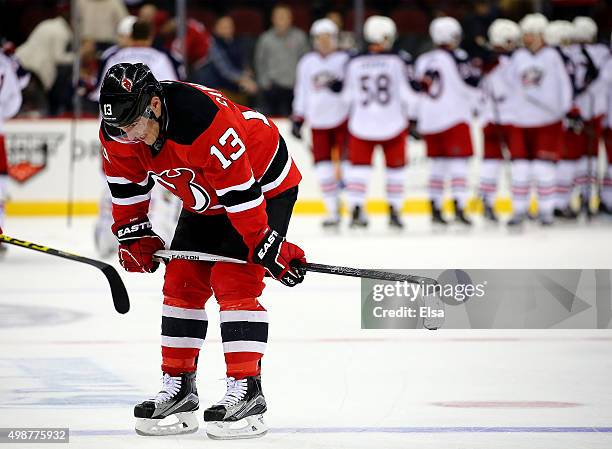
[{"x": 67, "y": 359}]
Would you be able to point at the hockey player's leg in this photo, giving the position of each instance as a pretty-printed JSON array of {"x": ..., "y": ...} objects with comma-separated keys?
[
  {"x": 489, "y": 173},
  {"x": 104, "y": 239},
  {"x": 322, "y": 143},
  {"x": 395, "y": 158},
  {"x": 458, "y": 168},
  {"x": 184, "y": 326},
  {"x": 521, "y": 189},
  {"x": 436, "y": 189},
  {"x": 544, "y": 174},
  {"x": 494, "y": 137},
  {"x": 3, "y": 186},
  {"x": 564, "y": 175},
  {"x": 357, "y": 179},
  {"x": 605, "y": 205},
  {"x": 244, "y": 332}
]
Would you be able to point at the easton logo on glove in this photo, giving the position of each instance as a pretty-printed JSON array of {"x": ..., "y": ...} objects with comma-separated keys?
[
  {"x": 280, "y": 258},
  {"x": 267, "y": 244},
  {"x": 132, "y": 231}
]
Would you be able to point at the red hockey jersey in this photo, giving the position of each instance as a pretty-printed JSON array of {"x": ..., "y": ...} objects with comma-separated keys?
[{"x": 218, "y": 157}]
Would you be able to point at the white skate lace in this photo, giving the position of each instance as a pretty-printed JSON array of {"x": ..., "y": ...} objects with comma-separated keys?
[
  {"x": 236, "y": 389},
  {"x": 171, "y": 386}
]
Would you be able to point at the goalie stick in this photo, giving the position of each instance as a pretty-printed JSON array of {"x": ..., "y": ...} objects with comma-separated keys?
[
  {"x": 167, "y": 255},
  {"x": 120, "y": 296}
]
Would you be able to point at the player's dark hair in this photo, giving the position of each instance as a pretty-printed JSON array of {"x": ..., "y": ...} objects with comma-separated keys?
[{"x": 141, "y": 30}]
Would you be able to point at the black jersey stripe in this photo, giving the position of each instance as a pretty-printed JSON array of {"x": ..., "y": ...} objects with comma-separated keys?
[
  {"x": 130, "y": 190},
  {"x": 244, "y": 331},
  {"x": 276, "y": 167},
  {"x": 236, "y": 197},
  {"x": 178, "y": 327}
]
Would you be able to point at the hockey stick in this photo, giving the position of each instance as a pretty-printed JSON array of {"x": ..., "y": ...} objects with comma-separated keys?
[
  {"x": 120, "y": 296},
  {"x": 168, "y": 255}
]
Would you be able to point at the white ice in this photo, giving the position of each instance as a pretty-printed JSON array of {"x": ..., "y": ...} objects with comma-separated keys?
[{"x": 67, "y": 359}]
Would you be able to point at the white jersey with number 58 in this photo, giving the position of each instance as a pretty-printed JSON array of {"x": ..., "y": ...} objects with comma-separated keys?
[{"x": 379, "y": 96}]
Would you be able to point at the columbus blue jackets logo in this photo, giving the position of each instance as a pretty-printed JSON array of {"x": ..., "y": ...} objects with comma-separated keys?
[
  {"x": 181, "y": 182},
  {"x": 532, "y": 77}
]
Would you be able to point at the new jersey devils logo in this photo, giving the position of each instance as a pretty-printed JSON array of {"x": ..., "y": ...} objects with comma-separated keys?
[
  {"x": 180, "y": 181},
  {"x": 126, "y": 84}
]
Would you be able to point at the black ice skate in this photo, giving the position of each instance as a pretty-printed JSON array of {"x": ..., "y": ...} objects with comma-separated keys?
[
  {"x": 358, "y": 219},
  {"x": 516, "y": 222},
  {"x": 243, "y": 401},
  {"x": 566, "y": 213},
  {"x": 395, "y": 222},
  {"x": 436, "y": 215},
  {"x": 177, "y": 399},
  {"x": 331, "y": 222},
  {"x": 460, "y": 215},
  {"x": 605, "y": 209},
  {"x": 490, "y": 215},
  {"x": 546, "y": 221}
]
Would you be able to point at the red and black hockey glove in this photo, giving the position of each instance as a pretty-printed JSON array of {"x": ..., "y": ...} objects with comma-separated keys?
[
  {"x": 137, "y": 244},
  {"x": 282, "y": 259}
]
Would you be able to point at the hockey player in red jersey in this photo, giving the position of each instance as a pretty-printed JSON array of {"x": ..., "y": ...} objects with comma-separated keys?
[{"x": 238, "y": 184}]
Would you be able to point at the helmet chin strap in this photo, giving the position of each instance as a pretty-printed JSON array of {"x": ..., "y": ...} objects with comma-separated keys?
[{"x": 161, "y": 136}]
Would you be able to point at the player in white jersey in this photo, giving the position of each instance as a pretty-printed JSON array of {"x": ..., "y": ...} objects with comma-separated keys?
[
  {"x": 559, "y": 35},
  {"x": 499, "y": 109},
  {"x": 605, "y": 205},
  {"x": 377, "y": 90},
  {"x": 448, "y": 100},
  {"x": 544, "y": 91},
  {"x": 10, "y": 102},
  {"x": 165, "y": 208},
  {"x": 323, "y": 109},
  {"x": 591, "y": 101}
]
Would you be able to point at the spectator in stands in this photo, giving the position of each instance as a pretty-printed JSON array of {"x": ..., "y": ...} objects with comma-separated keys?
[
  {"x": 43, "y": 53},
  {"x": 226, "y": 68},
  {"x": 346, "y": 39},
  {"x": 475, "y": 27},
  {"x": 140, "y": 50},
  {"x": 99, "y": 20},
  {"x": 276, "y": 56}
]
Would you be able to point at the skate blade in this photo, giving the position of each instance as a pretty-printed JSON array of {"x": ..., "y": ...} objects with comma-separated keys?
[
  {"x": 187, "y": 422},
  {"x": 254, "y": 427}
]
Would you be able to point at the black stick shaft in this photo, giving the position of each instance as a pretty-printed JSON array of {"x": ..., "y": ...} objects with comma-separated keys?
[
  {"x": 120, "y": 296},
  {"x": 368, "y": 274}
]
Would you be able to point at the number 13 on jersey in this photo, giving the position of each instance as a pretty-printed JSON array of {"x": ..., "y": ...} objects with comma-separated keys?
[{"x": 235, "y": 142}]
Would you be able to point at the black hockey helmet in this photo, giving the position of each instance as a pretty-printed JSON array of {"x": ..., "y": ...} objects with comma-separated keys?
[{"x": 126, "y": 93}]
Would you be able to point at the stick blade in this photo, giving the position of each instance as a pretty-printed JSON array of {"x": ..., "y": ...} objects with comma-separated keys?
[{"x": 121, "y": 300}]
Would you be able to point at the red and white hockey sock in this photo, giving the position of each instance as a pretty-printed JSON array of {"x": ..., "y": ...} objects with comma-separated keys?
[
  {"x": 586, "y": 169},
  {"x": 183, "y": 333},
  {"x": 395, "y": 186},
  {"x": 564, "y": 174},
  {"x": 3, "y": 196},
  {"x": 544, "y": 175},
  {"x": 458, "y": 168},
  {"x": 244, "y": 332},
  {"x": 489, "y": 174},
  {"x": 357, "y": 179},
  {"x": 606, "y": 190},
  {"x": 521, "y": 186},
  {"x": 436, "y": 180},
  {"x": 326, "y": 175}
]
